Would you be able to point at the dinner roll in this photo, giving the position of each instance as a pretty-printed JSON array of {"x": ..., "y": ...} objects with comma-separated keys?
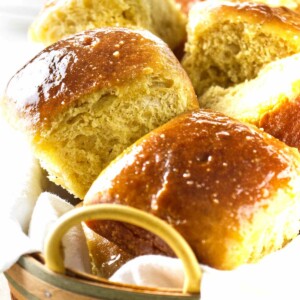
[
  {"x": 60, "y": 18},
  {"x": 270, "y": 101},
  {"x": 229, "y": 43},
  {"x": 84, "y": 99},
  {"x": 106, "y": 257},
  {"x": 231, "y": 190}
]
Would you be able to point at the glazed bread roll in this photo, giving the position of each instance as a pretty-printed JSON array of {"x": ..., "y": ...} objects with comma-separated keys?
[
  {"x": 83, "y": 100},
  {"x": 231, "y": 190},
  {"x": 61, "y": 18},
  {"x": 106, "y": 257},
  {"x": 270, "y": 101},
  {"x": 229, "y": 43}
]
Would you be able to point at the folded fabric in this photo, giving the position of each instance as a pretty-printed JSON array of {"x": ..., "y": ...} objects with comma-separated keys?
[
  {"x": 274, "y": 277},
  {"x": 21, "y": 179},
  {"x": 47, "y": 210},
  {"x": 14, "y": 243},
  {"x": 23, "y": 203},
  {"x": 151, "y": 270}
]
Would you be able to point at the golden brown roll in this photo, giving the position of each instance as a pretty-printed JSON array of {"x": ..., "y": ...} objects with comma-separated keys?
[
  {"x": 270, "y": 101},
  {"x": 229, "y": 43},
  {"x": 83, "y": 100},
  {"x": 230, "y": 189},
  {"x": 61, "y": 18},
  {"x": 106, "y": 257}
]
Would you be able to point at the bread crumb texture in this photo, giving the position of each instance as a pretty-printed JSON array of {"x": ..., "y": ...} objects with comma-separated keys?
[
  {"x": 85, "y": 99},
  {"x": 270, "y": 100},
  {"x": 86, "y": 138},
  {"x": 229, "y": 43},
  {"x": 62, "y": 18}
]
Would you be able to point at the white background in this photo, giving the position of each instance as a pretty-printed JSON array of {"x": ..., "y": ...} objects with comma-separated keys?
[
  {"x": 15, "y": 51},
  {"x": 15, "y": 48}
]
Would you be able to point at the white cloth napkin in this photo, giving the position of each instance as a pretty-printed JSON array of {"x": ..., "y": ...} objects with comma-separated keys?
[
  {"x": 47, "y": 210},
  {"x": 23, "y": 205},
  {"x": 151, "y": 270},
  {"x": 275, "y": 277},
  {"x": 21, "y": 183}
]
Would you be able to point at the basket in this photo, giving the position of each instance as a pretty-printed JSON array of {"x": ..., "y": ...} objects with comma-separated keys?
[{"x": 36, "y": 276}]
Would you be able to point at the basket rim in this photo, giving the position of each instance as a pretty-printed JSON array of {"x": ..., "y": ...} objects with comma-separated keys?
[{"x": 74, "y": 280}]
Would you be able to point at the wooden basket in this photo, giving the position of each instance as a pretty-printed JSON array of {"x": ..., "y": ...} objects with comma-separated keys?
[{"x": 33, "y": 276}]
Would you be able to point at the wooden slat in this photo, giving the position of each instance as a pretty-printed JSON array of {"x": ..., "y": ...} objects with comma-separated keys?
[
  {"x": 15, "y": 294},
  {"x": 17, "y": 291},
  {"x": 31, "y": 275},
  {"x": 38, "y": 288}
]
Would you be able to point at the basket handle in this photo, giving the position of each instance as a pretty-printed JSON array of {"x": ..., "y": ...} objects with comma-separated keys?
[{"x": 53, "y": 250}]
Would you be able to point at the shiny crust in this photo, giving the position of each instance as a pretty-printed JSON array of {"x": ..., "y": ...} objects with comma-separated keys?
[
  {"x": 204, "y": 173},
  {"x": 282, "y": 19},
  {"x": 283, "y": 122},
  {"x": 80, "y": 65}
]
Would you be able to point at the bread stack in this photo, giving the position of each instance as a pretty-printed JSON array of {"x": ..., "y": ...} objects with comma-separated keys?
[{"x": 115, "y": 101}]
